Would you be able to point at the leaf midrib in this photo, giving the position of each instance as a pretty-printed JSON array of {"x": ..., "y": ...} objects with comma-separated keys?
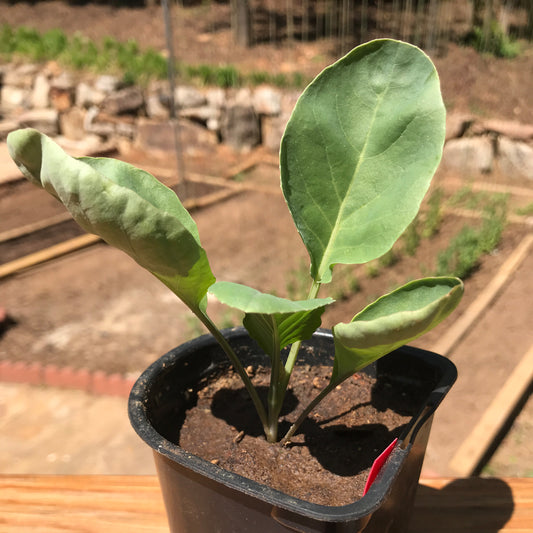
[{"x": 336, "y": 227}]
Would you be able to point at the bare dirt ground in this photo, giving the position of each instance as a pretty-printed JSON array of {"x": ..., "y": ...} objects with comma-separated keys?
[{"x": 99, "y": 310}]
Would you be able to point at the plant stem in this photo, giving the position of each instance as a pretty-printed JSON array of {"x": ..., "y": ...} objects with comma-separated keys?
[
  {"x": 237, "y": 365},
  {"x": 295, "y": 348},
  {"x": 279, "y": 379},
  {"x": 274, "y": 405},
  {"x": 303, "y": 415}
]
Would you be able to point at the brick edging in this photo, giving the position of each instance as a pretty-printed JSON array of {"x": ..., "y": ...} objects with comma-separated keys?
[{"x": 95, "y": 382}]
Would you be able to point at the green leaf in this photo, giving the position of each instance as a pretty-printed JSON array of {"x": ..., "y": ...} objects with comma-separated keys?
[
  {"x": 392, "y": 321},
  {"x": 127, "y": 207},
  {"x": 359, "y": 152},
  {"x": 272, "y": 321}
]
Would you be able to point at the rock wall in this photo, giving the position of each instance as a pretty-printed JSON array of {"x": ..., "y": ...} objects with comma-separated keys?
[{"x": 93, "y": 113}]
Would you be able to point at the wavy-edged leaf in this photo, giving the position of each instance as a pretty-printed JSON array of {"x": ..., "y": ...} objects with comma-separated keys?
[
  {"x": 127, "y": 207},
  {"x": 359, "y": 152},
  {"x": 272, "y": 321},
  {"x": 392, "y": 321}
]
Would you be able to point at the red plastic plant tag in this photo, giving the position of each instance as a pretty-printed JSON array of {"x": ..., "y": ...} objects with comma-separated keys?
[{"x": 378, "y": 465}]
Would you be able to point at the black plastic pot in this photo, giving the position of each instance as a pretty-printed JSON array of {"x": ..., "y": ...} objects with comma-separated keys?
[{"x": 201, "y": 497}]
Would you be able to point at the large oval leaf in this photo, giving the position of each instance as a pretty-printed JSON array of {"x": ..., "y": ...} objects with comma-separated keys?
[
  {"x": 272, "y": 321},
  {"x": 359, "y": 151},
  {"x": 127, "y": 207},
  {"x": 392, "y": 321}
]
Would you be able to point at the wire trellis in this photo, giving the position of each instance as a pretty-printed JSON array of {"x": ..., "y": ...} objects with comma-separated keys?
[{"x": 429, "y": 24}]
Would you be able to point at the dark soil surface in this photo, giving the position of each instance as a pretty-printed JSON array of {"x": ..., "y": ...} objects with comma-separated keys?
[{"x": 322, "y": 464}]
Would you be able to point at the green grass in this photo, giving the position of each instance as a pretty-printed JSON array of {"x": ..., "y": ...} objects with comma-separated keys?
[
  {"x": 411, "y": 238},
  {"x": 493, "y": 41},
  {"x": 526, "y": 210},
  {"x": 468, "y": 199},
  {"x": 462, "y": 256},
  {"x": 127, "y": 60},
  {"x": 433, "y": 215}
]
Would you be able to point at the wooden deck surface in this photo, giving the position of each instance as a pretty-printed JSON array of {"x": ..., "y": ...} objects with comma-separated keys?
[{"x": 132, "y": 504}]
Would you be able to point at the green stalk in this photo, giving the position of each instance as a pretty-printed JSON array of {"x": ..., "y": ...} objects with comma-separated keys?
[
  {"x": 274, "y": 405},
  {"x": 304, "y": 414},
  {"x": 279, "y": 380},
  {"x": 295, "y": 348},
  {"x": 237, "y": 365}
]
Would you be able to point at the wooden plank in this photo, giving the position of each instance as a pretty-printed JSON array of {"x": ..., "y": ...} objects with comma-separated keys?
[
  {"x": 21, "y": 231},
  {"x": 133, "y": 504},
  {"x": 474, "y": 448},
  {"x": 92, "y": 504},
  {"x": 460, "y": 327},
  {"x": 52, "y": 252},
  {"x": 474, "y": 505}
]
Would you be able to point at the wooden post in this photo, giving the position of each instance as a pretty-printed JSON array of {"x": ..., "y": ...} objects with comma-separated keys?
[{"x": 241, "y": 22}]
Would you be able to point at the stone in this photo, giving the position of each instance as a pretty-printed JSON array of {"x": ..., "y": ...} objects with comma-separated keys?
[
  {"x": 202, "y": 114},
  {"x": 273, "y": 127},
  {"x": 469, "y": 155},
  {"x": 12, "y": 98},
  {"x": 89, "y": 145},
  {"x": 44, "y": 120},
  {"x": 515, "y": 158},
  {"x": 107, "y": 84},
  {"x": 216, "y": 97},
  {"x": 158, "y": 137},
  {"x": 125, "y": 128},
  {"x": 107, "y": 125},
  {"x": 240, "y": 127},
  {"x": 71, "y": 124},
  {"x": 61, "y": 99},
  {"x": 185, "y": 97},
  {"x": 21, "y": 75},
  {"x": 195, "y": 139},
  {"x": 267, "y": 101},
  {"x": 87, "y": 96},
  {"x": 509, "y": 128},
  {"x": 155, "y": 103},
  {"x": 128, "y": 100},
  {"x": 457, "y": 124},
  {"x": 64, "y": 81},
  {"x": 91, "y": 123},
  {"x": 40, "y": 95},
  {"x": 154, "y": 107},
  {"x": 6, "y": 127}
]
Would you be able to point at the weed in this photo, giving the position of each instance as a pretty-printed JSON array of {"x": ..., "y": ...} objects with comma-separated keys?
[
  {"x": 411, "y": 238},
  {"x": 493, "y": 41},
  {"x": 433, "y": 215},
  {"x": 526, "y": 210},
  {"x": 346, "y": 284},
  {"x": 389, "y": 259},
  {"x": 460, "y": 196},
  {"x": 480, "y": 201},
  {"x": 372, "y": 270},
  {"x": 229, "y": 319},
  {"x": 297, "y": 282},
  {"x": 259, "y": 77},
  {"x": 463, "y": 254},
  {"x": 354, "y": 285}
]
